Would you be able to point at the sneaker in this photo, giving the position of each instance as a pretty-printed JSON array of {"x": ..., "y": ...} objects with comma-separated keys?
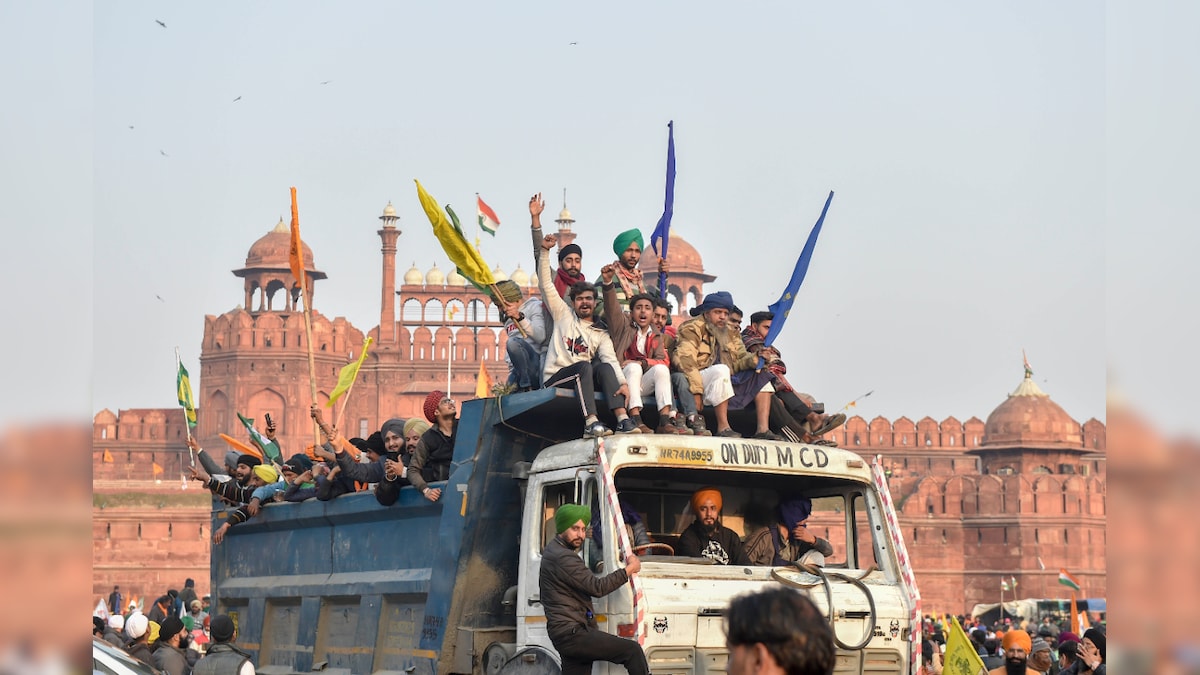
[
  {"x": 696, "y": 423},
  {"x": 626, "y": 426},
  {"x": 596, "y": 430},
  {"x": 680, "y": 425},
  {"x": 768, "y": 435},
  {"x": 668, "y": 426},
  {"x": 643, "y": 429},
  {"x": 728, "y": 433}
]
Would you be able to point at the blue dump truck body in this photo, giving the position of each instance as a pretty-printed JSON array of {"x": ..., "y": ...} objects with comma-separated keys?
[{"x": 363, "y": 588}]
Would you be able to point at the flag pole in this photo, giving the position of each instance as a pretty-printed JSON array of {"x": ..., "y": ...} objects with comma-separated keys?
[
  {"x": 449, "y": 355},
  {"x": 312, "y": 368},
  {"x": 186, "y": 427}
]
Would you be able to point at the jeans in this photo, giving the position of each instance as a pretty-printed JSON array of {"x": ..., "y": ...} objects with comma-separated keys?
[
  {"x": 580, "y": 649},
  {"x": 526, "y": 368},
  {"x": 683, "y": 393}
]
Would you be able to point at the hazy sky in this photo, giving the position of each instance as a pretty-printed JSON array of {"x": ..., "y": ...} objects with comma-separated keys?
[{"x": 994, "y": 176}]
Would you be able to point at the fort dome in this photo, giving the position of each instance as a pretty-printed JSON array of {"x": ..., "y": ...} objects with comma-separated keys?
[
  {"x": 435, "y": 277},
  {"x": 455, "y": 279},
  {"x": 681, "y": 257},
  {"x": 499, "y": 274},
  {"x": 520, "y": 277},
  {"x": 1029, "y": 418},
  {"x": 273, "y": 250}
]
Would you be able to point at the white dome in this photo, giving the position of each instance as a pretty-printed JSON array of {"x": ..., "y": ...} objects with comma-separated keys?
[
  {"x": 389, "y": 211},
  {"x": 520, "y": 277},
  {"x": 455, "y": 279},
  {"x": 413, "y": 276},
  {"x": 435, "y": 277},
  {"x": 498, "y": 274}
]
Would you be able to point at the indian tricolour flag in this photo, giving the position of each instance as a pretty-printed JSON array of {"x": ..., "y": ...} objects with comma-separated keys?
[
  {"x": 488, "y": 221},
  {"x": 1065, "y": 578}
]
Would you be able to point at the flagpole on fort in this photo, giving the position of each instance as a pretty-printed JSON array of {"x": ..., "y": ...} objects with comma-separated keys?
[{"x": 186, "y": 427}]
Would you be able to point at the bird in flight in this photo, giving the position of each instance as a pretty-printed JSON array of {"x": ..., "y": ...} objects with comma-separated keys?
[
  {"x": 237, "y": 99},
  {"x": 130, "y": 126},
  {"x": 327, "y": 81},
  {"x": 160, "y": 23},
  {"x": 163, "y": 153},
  {"x": 160, "y": 298},
  {"x": 574, "y": 43}
]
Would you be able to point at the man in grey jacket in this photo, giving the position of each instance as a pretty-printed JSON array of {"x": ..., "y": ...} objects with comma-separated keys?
[
  {"x": 168, "y": 654},
  {"x": 567, "y": 588}
]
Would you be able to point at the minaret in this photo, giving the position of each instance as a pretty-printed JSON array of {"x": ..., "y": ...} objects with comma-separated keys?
[
  {"x": 387, "y": 313},
  {"x": 565, "y": 221}
]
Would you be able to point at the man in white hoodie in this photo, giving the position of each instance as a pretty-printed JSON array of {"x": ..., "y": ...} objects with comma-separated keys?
[{"x": 576, "y": 342}]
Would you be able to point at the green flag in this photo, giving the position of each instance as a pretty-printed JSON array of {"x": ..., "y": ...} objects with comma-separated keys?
[
  {"x": 184, "y": 387},
  {"x": 270, "y": 449}
]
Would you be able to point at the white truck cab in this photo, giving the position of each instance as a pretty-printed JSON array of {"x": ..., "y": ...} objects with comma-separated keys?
[{"x": 864, "y": 587}]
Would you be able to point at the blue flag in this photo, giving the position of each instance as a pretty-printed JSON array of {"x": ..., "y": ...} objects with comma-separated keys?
[
  {"x": 662, "y": 232},
  {"x": 784, "y": 304}
]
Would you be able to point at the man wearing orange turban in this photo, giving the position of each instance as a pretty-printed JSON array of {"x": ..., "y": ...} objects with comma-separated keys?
[
  {"x": 1017, "y": 645},
  {"x": 706, "y": 537}
]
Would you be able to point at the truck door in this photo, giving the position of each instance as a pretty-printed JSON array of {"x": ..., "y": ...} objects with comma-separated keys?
[{"x": 556, "y": 489}]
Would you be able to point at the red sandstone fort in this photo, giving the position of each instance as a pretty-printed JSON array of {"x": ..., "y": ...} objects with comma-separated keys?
[{"x": 1021, "y": 494}]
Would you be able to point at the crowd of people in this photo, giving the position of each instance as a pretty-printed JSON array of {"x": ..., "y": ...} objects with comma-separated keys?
[
  {"x": 173, "y": 636},
  {"x": 614, "y": 335},
  {"x": 1008, "y": 648}
]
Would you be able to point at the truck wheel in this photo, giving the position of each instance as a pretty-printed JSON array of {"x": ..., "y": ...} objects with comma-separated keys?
[
  {"x": 494, "y": 658},
  {"x": 530, "y": 661}
]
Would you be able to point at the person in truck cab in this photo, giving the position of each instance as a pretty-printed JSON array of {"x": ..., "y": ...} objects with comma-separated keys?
[
  {"x": 793, "y": 541},
  {"x": 567, "y": 587},
  {"x": 706, "y": 537}
]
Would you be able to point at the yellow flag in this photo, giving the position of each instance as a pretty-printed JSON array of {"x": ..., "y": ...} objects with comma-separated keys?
[
  {"x": 348, "y": 374},
  {"x": 458, "y": 249},
  {"x": 960, "y": 658},
  {"x": 483, "y": 383}
]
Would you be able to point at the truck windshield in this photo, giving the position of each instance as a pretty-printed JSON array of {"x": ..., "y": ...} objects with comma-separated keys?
[{"x": 656, "y": 502}]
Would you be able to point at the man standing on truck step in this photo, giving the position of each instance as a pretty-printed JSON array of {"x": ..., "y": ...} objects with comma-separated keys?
[
  {"x": 567, "y": 587},
  {"x": 777, "y": 631},
  {"x": 435, "y": 450},
  {"x": 222, "y": 658},
  {"x": 706, "y": 537}
]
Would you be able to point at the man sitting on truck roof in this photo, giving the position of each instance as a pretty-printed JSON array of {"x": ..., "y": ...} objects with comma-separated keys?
[
  {"x": 643, "y": 358},
  {"x": 567, "y": 587},
  {"x": 435, "y": 450},
  {"x": 712, "y": 357},
  {"x": 706, "y": 537},
  {"x": 576, "y": 342}
]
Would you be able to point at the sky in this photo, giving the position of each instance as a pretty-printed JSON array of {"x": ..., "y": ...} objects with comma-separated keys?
[{"x": 1008, "y": 177}]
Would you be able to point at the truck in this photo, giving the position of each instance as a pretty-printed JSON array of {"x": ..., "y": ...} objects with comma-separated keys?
[{"x": 348, "y": 586}]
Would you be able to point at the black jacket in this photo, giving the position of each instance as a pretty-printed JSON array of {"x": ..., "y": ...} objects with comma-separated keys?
[
  {"x": 723, "y": 546},
  {"x": 567, "y": 588}
]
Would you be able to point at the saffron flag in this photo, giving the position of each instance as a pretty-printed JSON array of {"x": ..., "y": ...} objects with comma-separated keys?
[
  {"x": 783, "y": 305},
  {"x": 483, "y": 383},
  {"x": 157, "y": 469},
  {"x": 662, "y": 231},
  {"x": 184, "y": 386},
  {"x": 241, "y": 447},
  {"x": 348, "y": 374},
  {"x": 960, "y": 657},
  {"x": 108, "y": 456},
  {"x": 1065, "y": 578},
  {"x": 296, "y": 251},
  {"x": 488, "y": 221},
  {"x": 461, "y": 253},
  {"x": 270, "y": 449}
]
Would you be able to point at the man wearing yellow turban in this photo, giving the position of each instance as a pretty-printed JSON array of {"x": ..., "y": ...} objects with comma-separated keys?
[
  {"x": 706, "y": 537},
  {"x": 567, "y": 587}
]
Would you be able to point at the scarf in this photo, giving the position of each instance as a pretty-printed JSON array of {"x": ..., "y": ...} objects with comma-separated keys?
[
  {"x": 631, "y": 281},
  {"x": 563, "y": 281}
]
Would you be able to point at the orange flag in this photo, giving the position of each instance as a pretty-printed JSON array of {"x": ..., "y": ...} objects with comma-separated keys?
[
  {"x": 483, "y": 383},
  {"x": 296, "y": 254},
  {"x": 241, "y": 447},
  {"x": 157, "y": 469},
  {"x": 108, "y": 456}
]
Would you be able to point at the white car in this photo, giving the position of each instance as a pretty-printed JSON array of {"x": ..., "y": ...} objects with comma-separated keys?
[{"x": 110, "y": 660}]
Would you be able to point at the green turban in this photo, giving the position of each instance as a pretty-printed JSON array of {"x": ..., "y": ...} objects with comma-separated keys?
[
  {"x": 569, "y": 514},
  {"x": 626, "y": 238}
]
